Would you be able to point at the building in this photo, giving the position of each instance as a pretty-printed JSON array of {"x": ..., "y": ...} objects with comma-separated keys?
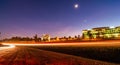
[
  {"x": 102, "y": 33},
  {"x": 45, "y": 37},
  {"x": 54, "y": 39}
]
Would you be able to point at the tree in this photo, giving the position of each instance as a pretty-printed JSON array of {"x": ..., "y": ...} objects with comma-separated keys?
[
  {"x": 89, "y": 34},
  {"x": 76, "y": 36},
  {"x": 64, "y": 37},
  {"x": 36, "y": 38},
  {"x": 69, "y": 37},
  {"x": 79, "y": 36},
  {"x": 83, "y": 36}
]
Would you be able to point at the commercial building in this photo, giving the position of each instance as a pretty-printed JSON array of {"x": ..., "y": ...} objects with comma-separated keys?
[{"x": 102, "y": 33}]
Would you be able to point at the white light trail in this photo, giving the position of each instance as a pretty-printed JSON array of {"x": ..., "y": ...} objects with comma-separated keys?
[
  {"x": 12, "y": 46},
  {"x": 7, "y": 46}
]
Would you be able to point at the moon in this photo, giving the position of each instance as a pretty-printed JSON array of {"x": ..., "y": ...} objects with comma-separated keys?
[{"x": 76, "y": 6}]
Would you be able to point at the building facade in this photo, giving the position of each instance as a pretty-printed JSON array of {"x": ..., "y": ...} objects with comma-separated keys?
[{"x": 102, "y": 33}]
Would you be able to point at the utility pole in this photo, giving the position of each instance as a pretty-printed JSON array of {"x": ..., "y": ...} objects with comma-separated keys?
[
  {"x": 0, "y": 37},
  {"x": 0, "y": 34}
]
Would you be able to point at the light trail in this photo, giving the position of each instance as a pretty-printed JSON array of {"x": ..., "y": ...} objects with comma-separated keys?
[
  {"x": 7, "y": 47},
  {"x": 105, "y": 43},
  {"x": 12, "y": 46}
]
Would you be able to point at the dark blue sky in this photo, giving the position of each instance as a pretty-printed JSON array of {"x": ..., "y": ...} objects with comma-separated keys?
[{"x": 56, "y": 17}]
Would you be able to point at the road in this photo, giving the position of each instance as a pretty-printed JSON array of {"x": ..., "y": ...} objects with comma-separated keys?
[
  {"x": 25, "y": 55},
  {"x": 115, "y": 43}
]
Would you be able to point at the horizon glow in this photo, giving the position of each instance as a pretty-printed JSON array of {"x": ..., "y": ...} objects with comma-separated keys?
[{"x": 57, "y": 17}]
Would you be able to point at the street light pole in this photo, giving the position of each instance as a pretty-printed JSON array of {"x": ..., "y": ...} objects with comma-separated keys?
[{"x": 0, "y": 37}]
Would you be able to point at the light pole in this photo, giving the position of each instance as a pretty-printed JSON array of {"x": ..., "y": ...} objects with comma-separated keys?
[
  {"x": 0, "y": 37},
  {"x": 0, "y": 34}
]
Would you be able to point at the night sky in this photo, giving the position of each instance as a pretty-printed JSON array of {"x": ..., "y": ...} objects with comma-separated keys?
[{"x": 56, "y": 17}]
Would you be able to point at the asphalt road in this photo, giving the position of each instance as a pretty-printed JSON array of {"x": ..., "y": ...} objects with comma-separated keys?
[
  {"x": 115, "y": 43},
  {"x": 23, "y": 55}
]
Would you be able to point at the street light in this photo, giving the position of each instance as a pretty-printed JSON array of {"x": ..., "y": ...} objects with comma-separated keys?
[{"x": 112, "y": 27}]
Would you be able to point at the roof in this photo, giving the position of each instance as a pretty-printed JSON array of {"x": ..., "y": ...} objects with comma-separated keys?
[{"x": 101, "y": 28}]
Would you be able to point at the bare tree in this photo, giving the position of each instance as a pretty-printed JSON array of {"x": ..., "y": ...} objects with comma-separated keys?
[{"x": 36, "y": 38}]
